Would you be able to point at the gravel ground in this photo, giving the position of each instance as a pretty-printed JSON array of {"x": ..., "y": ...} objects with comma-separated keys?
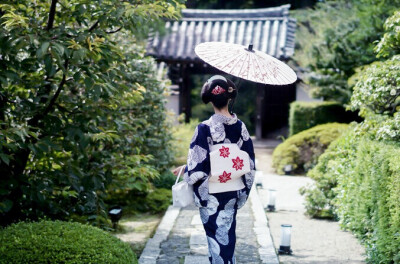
[{"x": 313, "y": 241}]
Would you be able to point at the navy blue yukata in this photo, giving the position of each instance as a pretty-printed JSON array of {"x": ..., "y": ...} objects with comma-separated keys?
[{"x": 218, "y": 210}]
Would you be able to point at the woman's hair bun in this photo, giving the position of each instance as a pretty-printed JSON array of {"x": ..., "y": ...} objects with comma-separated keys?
[{"x": 218, "y": 90}]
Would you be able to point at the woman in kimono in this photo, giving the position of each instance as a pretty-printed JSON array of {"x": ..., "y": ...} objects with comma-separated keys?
[{"x": 218, "y": 209}]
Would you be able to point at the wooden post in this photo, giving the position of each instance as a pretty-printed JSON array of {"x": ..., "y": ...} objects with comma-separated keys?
[
  {"x": 259, "y": 111},
  {"x": 184, "y": 92},
  {"x": 186, "y": 89}
]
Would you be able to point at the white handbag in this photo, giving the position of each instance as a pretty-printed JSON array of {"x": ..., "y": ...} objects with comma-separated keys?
[
  {"x": 182, "y": 192},
  {"x": 228, "y": 164}
]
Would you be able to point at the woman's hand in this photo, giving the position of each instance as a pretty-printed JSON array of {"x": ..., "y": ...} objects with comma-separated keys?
[{"x": 176, "y": 170}]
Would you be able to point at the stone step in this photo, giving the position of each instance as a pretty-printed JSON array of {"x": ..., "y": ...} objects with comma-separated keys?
[{"x": 196, "y": 260}]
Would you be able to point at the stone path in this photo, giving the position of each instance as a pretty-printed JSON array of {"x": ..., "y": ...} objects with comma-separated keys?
[
  {"x": 186, "y": 242},
  {"x": 180, "y": 238},
  {"x": 313, "y": 240}
]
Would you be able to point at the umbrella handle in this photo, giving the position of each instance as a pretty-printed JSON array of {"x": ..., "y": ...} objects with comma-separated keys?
[{"x": 237, "y": 93}]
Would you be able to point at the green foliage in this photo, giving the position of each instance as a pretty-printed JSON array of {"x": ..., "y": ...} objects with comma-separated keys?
[
  {"x": 166, "y": 180},
  {"x": 61, "y": 242},
  {"x": 183, "y": 134},
  {"x": 335, "y": 38},
  {"x": 357, "y": 178},
  {"x": 80, "y": 108},
  {"x": 303, "y": 149},
  {"x": 368, "y": 197},
  {"x": 304, "y": 115},
  {"x": 389, "y": 43},
  {"x": 159, "y": 200},
  {"x": 155, "y": 201},
  {"x": 358, "y": 182},
  {"x": 378, "y": 88},
  {"x": 335, "y": 161}
]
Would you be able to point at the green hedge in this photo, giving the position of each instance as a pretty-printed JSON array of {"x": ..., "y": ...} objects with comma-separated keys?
[
  {"x": 61, "y": 242},
  {"x": 303, "y": 149},
  {"x": 359, "y": 180},
  {"x": 331, "y": 164},
  {"x": 304, "y": 115}
]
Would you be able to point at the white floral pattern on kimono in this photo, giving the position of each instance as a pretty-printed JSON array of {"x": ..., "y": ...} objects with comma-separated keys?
[
  {"x": 198, "y": 175},
  {"x": 211, "y": 209},
  {"x": 196, "y": 132},
  {"x": 242, "y": 199},
  {"x": 245, "y": 133},
  {"x": 203, "y": 190},
  {"x": 197, "y": 201},
  {"x": 212, "y": 205},
  {"x": 210, "y": 142},
  {"x": 196, "y": 155},
  {"x": 240, "y": 142},
  {"x": 217, "y": 131},
  {"x": 250, "y": 178},
  {"x": 214, "y": 251},
  {"x": 224, "y": 222}
]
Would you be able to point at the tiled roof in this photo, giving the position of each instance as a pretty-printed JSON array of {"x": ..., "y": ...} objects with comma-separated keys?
[{"x": 270, "y": 30}]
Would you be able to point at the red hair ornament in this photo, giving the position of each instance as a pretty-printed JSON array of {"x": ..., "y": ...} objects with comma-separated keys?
[{"x": 218, "y": 90}]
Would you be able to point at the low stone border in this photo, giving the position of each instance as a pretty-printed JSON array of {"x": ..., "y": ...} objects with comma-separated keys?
[
  {"x": 267, "y": 250},
  {"x": 152, "y": 249}
]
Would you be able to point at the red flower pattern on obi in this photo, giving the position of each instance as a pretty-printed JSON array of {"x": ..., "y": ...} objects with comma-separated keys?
[
  {"x": 237, "y": 163},
  {"x": 224, "y": 177},
  {"x": 218, "y": 90},
  {"x": 224, "y": 152}
]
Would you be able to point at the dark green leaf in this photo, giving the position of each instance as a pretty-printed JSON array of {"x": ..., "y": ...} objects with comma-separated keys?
[
  {"x": 43, "y": 49},
  {"x": 89, "y": 82},
  {"x": 5, "y": 158},
  {"x": 6, "y": 205}
]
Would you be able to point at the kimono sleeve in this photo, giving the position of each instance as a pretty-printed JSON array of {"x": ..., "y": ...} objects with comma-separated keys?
[
  {"x": 248, "y": 147},
  {"x": 198, "y": 161}
]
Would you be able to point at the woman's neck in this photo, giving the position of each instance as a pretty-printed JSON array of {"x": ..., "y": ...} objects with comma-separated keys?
[{"x": 223, "y": 111}]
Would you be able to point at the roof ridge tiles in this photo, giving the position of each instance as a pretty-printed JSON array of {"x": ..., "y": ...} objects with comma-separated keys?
[
  {"x": 272, "y": 32},
  {"x": 279, "y": 11}
]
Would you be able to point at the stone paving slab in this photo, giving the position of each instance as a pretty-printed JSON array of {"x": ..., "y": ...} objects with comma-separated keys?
[
  {"x": 198, "y": 239},
  {"x": 196, "y": 220},
  {"x": 196, "y": 260}
]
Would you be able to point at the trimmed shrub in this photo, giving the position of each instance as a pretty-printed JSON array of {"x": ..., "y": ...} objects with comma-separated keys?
[
  {"x": 303, "y": 149},
  {"x": 359, "y": 179},
  {"x": 334, "y": 162},
  {"x": 61, "y": 242},
  {"x": 367, "y": 200},
  {"x": 304, "y": 115}
]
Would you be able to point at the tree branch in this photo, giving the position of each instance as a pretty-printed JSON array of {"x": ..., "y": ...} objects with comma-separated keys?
[
  {"x": 34, "y": 121},
  {"x": 55, "y": 96},
  {"x": 52, "y": 15},
  {"x": 114, "y": 31},
  {"x": 94, "y": 26}
]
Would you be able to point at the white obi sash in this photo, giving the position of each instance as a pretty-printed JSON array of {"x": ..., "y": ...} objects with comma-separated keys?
[{"x": 228, "y": 164}]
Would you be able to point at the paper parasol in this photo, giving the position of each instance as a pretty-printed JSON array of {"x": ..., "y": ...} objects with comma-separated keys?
[{"x": 246, "y": 63}]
